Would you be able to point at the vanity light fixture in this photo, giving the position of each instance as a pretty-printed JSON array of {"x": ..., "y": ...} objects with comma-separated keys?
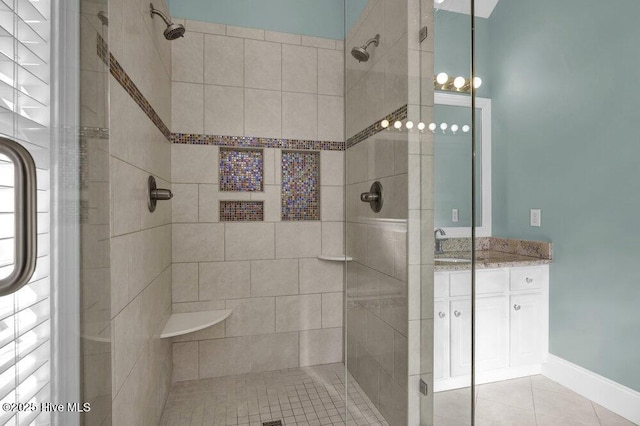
[
  {"x": 409, "y": 125},
  {"x": 421, "y": 126},
  {"x": 398, "y": 124},
  {"x": 442, "y": 81},
  {"x": 384, "y": 124}
]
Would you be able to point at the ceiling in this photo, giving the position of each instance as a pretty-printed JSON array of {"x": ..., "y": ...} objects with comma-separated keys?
[{"x": 484, "y": 8}]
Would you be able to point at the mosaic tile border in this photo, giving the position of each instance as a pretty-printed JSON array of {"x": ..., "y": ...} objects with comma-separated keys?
[
  {"x": 130, "y": 87},
  {"x": 255, "y": 142},
  {"x": 241, "y": 211},
  {"x": 375, "y": 128}
]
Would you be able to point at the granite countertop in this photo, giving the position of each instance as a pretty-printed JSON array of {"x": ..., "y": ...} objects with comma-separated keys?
[{"x": 494, "y": 253}]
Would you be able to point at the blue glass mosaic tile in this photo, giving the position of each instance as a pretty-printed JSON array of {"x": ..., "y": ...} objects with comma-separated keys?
[
  {"x": 241, "y": 170},
  {"x": 300, "y": 185},
  {"x": 241, "y": 211}
]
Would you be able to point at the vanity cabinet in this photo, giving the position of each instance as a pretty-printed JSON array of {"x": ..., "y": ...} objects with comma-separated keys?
[{"x": 511, "y": 324}]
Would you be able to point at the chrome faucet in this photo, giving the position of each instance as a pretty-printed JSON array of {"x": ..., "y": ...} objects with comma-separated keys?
[{"x": 438, "y": 240}]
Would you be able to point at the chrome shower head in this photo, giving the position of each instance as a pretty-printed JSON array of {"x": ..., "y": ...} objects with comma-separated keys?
[
  {"x": 173, "y": 31},
  {"x": 360, "y": 53}
]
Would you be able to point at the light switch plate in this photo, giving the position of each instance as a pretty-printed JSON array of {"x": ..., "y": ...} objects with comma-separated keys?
[
  {"x": 535, "y": 218},
  {"x": 454, "y": 215}
]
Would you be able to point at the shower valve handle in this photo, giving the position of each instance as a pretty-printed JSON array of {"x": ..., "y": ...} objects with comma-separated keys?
[
  {"x": 368, "y": 197},
  {"x": 373, "y": 197}
]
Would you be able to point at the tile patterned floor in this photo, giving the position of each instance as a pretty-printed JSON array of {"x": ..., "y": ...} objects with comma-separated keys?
[
  {"x": 311, "y": 396},
  {"x": 529, "y": 401}
]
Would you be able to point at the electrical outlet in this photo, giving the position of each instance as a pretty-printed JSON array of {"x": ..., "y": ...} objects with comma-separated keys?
[
  {"x": 454, "y": 215},
  {"x": 535, "y": 217}
]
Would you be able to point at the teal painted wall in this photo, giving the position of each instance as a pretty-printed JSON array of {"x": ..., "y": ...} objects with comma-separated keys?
[
  {"x": 566, "y": 139},
  {"x": 319, "y": 18}
]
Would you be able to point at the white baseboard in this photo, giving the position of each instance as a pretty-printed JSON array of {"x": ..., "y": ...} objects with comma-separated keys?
[{"x": 611, "y": 395}]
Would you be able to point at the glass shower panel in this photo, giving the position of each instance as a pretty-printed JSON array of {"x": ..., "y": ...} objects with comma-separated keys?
[{"x": 450, "y": 130}]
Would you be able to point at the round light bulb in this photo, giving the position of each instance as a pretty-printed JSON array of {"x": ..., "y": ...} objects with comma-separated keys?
[
  {"x": 443, "y": 126},
  {"x": 409, "y": 125},
  {"x": 442, "y": 78},
  {"x": 466, "y": 128},
  {"x": 459, "y": 82},
  {"x": 397, "y": 125},
  {"x": 454, "y": 128},
  {"x": 477, "y": 82},
  {"x": 421, "y": 126},
  {"x": 432, "y": 126},
  {"x": 384, "y": 124}
]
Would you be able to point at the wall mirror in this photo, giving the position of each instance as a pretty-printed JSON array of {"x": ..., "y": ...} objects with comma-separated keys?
[{"x": 452, "y": 165}]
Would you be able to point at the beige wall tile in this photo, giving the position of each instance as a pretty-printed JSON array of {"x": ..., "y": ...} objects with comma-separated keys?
[
  {"x": 332, "y": 237},
  {"x": 224, "y": 357},
  {"x": 248, "y": 241},
  {"x": 299, "y": 116},
  {"x": 252, "y": 33},
  {"x": 298, "y": 312},
  {"x": 299, "y": 69},
  {"x": 185, "y": 361},
  {"x": 320, "y": 346},
  {"x": 198, "y": 242},
  {"x": 205, "y": 27},
  {"x": 187, "y": 56},
  {"x": 330, "y": 118},
  {"x": 223, "y": 60},
  {"x": 274, "y": 277},
  {"x": 184, "y": 204},
  {"x": 380, "y": 342},
  {"x": 262, "y": 65},
  {"x": 194, "y": 163},
  {"x": 332, "y": 167},
  {"x": 224, "y": 280},
  {"x": 184, "y": 282},
  {"x": 224, "y": 110},
  {"x": 332, "y": 203},
  {"x": 332, "y": 309},
  {"x": 251, "y": 316},
  {"x": 400, "y": 358},
  {"x": 285, "y": 38},
  {"x": 320, "y": 276},
  {"x": 187, "y": 110},
  {"x": 296, "y": 240},
  {"x": 209, "y": 203},
  {"x": 263, "y": 113},
  {"x": 330, "y": 72},
  {"x": 323, "y": 43},
  {"x": 274, "y": 351}
]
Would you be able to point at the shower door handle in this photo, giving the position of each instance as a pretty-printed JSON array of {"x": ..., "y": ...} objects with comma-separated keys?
[{"x": 25, "y": 236}]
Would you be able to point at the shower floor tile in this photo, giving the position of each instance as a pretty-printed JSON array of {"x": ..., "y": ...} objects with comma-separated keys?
[{"x": 311, "y": 396}]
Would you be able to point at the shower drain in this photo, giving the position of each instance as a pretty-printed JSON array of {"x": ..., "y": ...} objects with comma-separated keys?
[{"x": 273, "y": 423}]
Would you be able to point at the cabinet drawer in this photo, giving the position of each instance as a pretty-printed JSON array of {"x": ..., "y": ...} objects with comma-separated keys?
[
  {"x": 493, "y": 281},
  {"x": 526, "y": 278},
  {"x": 441, "y": 284}
]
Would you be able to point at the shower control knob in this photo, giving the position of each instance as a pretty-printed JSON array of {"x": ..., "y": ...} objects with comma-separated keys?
[
  {"x": 517, "y": 307},
  {"x": 155, "y": 194},
  {"x": 457, "y": 313},
  {"x": 442, "y": 314},
  {"x": 528, "y": 280},
  {"x": 373, "y": 197}
]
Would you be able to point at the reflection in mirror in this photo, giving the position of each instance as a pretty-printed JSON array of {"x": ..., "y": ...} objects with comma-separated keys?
[{"x": 452, "y": 165}]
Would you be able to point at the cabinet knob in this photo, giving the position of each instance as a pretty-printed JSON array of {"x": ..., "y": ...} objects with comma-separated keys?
[
  {"x": 516, "y": 307},
  {"x": 442, "y": 314},
  {"x": 457, "y": 313},
  {"x": 528, "y": 280}
]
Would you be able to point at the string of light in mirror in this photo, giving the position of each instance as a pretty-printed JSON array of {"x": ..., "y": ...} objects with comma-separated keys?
[{"x": 421, "y": 127}]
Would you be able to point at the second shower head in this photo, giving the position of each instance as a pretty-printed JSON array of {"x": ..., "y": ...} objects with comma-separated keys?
[
  {"x": 173, "y": 31},
  {"x": 360, "y": 52}
]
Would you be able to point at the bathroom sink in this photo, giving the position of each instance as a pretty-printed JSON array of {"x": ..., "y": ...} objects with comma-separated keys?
[{"x": 452, "y": 260}]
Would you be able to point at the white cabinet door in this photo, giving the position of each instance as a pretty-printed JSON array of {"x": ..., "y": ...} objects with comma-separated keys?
[
  {"x": 492, "y": 327},
  {"x": 526, "y": 329},
  {"x": 441, "y": 340},
  {"x": 491, "y": 335},
  {"x": 460, "y": 348}
]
